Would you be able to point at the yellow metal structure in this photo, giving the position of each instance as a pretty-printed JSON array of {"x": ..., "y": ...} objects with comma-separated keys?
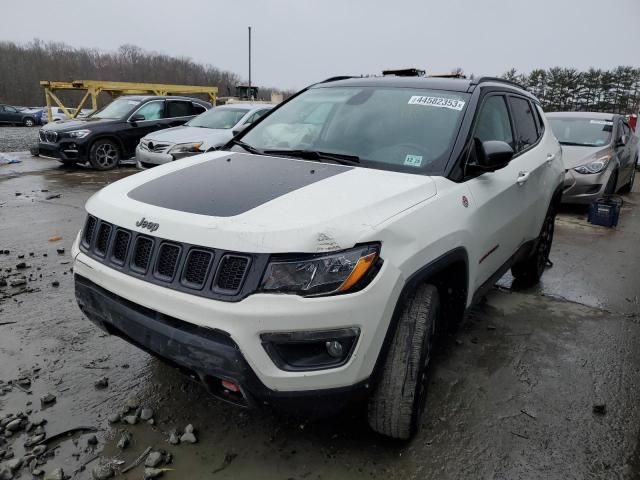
[{"x": 93, "y": 88}]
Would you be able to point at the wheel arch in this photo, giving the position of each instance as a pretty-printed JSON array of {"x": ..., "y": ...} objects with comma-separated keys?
[{"x": 449, "y": 273}]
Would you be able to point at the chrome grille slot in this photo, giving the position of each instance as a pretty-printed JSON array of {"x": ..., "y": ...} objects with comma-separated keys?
[
  {"x": 120, "y": 246},
  {"x": 102, "y": 239},
  {"x": 142, "y": 254},
  {"x": 167, "y": 262},
  {"x": 231, "y": 273},
  {"x": 89, "y": 230},
  {"x": 196, "y": 268}
]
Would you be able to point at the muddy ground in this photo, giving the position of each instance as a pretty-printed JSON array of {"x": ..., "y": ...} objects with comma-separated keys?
[
  {"x": 512, "y": 394},
  {"x": 15, "y": 139}
]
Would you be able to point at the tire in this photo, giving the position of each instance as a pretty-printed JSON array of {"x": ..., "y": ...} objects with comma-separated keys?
[
  {"x": 627, "y": 188},
  {"x": 612, "y": 184},
  {"x": 29, "y": 122},
  {"x": 396, "y": 406},
  {"x": 104, "y": 154},
  {"x": 528, "y": 271}
]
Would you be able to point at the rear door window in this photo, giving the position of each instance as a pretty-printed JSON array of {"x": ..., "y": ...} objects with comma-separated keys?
[
  {"x": 525, "y": 123},
  {"x": 176, "y": 108},
  {"x": 197, "y": 109}
]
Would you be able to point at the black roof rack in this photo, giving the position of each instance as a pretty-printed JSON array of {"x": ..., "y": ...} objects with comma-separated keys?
[
  {"x": 500, "y": 80},
  {"x": 405, "y": 72},
  {"x": 337, "y": 78}
]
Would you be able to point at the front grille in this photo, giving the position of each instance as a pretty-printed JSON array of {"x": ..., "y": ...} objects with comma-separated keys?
[
  {"x": 89, "y": 230},
  {"x": 167, "y": 261},
  {"x": 142, "y": 254},
  {"x": 102, "y": 240},
  {"x": 197, "y": 267},
  {"x": 43, "y": 137},
  {"x": 229, "y": 276},
  {"x": 120, "y": 246},
  {"x": 231, "y": 273}
]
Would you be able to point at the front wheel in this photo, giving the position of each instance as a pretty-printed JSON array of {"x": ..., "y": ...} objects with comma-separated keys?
[
  {"x": 104, "y": 155},
  {"x": 396, "y": 405},
  {"x": 29, "y": 122},
  {"x": 528, "y": 271}
]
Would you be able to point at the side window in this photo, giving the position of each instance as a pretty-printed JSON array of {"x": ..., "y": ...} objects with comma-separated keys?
[
  {"x": 151, "y": 111},
  {"x": 524, "y": 122},
  {"x": 178, "y": 109},
  {"x": 197, "y": 109},
  {"x": 255, "y": 116},
  {"x": 493, "y": 121},
  {"x": 10, "y": 109}
]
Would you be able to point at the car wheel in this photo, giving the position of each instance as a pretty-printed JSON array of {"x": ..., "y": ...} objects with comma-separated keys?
[
  {"x": 104, "y": 155},
  {"x": 29, "y": 122},
  {"x": 528, "y": 271},
  {"x": 396, "y": 406},
  {"x": 627, "y": 188}
]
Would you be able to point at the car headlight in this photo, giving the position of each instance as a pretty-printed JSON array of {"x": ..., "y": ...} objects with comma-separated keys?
[
  {"x": 314, "y": 275},
  {"x": 186, "y": 148},
  {"x": 79, "y": 133},
  {"x": 595, "y": 166}
]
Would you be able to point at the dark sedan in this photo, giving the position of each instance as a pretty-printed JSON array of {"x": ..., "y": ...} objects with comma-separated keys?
[{"x": 112, "y": 133}]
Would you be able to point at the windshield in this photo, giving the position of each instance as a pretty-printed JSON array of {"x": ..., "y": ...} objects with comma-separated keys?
[
  {"x": 581, "y": 131},
  {"x": 219, "y": 117},
  {"x": 402, "y": 129},
  {"x": 116, "y": 109}
]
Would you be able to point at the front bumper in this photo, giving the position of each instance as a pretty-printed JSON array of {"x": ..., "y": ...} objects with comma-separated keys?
[
  {"x": 584, "y": 189},
  {"x": 147, "y": 159},
  {"x": 63, "y": 151},
  {"x": 369, "y": 310}
]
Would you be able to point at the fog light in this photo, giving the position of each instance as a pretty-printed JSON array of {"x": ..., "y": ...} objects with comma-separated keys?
[{"x": 334, "y": 348}]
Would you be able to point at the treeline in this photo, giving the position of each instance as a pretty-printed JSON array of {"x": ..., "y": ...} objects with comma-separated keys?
[
  {"x": 568, "y": 89},
  {"x": 22, "y": 66}
]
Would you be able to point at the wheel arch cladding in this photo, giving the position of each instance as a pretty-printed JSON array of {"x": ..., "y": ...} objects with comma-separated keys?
[{"x": 449, "y": 273}]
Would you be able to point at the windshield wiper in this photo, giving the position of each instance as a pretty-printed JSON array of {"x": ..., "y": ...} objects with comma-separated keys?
[
  {"x": 247, "y": 147},
  {"x": 317, "y": 155},
  {"x": 574, "y": 144}
]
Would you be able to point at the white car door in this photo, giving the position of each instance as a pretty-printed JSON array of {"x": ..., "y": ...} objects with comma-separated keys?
[{"x": 499, "y": 197}]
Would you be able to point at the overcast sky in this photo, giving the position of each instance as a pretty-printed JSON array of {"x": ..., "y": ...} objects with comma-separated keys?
[{"x": 298, "y": 42}]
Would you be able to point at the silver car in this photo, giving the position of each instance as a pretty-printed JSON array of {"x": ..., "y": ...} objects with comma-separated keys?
[
  {"x": 208, "y": 131},
  {"x": 599, "y": 151}
]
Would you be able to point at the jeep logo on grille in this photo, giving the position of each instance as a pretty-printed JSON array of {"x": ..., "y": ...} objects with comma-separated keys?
[{"x": 143, "y": 223}]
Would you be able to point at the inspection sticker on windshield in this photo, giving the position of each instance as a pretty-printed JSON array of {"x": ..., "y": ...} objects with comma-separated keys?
[
  {"x": 413, "y": 160},
  {"x": 602, "y": 122},
  {"x": 441, "y": 102}
]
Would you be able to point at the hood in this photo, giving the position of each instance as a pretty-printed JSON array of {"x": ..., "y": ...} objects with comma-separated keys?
[
  {"x": 258, "y": 204},
  {"x": 186, "y": 134},
  {"x": 77, "y": 123},
  {"x": 574, "y": 156}
]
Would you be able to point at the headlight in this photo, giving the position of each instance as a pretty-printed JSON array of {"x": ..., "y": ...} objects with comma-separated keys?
[
  {"x": 596, "y": 166},
  {"x": 186, "y": 148},
  {"x": 322, "y": 274},
  {"x": 79, "y": 133}
]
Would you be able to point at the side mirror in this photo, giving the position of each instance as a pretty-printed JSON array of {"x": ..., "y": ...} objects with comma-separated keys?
[
  {"x": 492, "y": 155},
  {"x": 240, "y": 128},
  {"x": 622, "y": 141},
  {"x": 137, "y": 118}
]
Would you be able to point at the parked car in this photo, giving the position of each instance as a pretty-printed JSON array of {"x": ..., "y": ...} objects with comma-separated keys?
[
  {"x": 208, "y": 131},
  {"x": 600, "y": 152},
  {"x": 112, "y": 133},
  {"x": 10, "y": 114},
  {"x": 317, "y": 257}
]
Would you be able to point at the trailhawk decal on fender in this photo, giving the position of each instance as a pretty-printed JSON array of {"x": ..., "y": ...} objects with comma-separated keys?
[{"x": 233, "y": 184}]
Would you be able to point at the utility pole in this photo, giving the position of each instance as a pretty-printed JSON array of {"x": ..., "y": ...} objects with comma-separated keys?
[{"x": 249, "y": 56}]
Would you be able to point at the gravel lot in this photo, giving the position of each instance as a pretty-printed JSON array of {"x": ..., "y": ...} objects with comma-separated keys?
[{"x": 18, "y": 139}]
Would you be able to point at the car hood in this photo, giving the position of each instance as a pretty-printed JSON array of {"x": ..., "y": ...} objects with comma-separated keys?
[
  {"x": 77, "y": 123},
  {"x": 185, "y": 134},
  {"x": 259, "y": 204},
  {"x": 574, "y": 156}
]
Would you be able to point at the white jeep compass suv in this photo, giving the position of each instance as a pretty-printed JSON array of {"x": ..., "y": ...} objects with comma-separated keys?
[{"x": 320, "y": 253}]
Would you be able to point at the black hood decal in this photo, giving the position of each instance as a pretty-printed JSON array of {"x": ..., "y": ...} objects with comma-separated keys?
[{"x": 232, "y": 184}]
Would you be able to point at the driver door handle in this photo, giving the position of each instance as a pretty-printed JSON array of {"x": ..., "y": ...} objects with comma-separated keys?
[
  {"x": 523, "y": 177},
  {"x": 550, "y": 157}
]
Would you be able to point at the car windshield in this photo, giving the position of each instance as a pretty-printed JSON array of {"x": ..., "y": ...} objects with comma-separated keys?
[
  {"x": 219, "y": 117},
  {"x": 401, "y": 129},
  {"x": 117, "y": 109},
  {"x": 587, "y": 132}
]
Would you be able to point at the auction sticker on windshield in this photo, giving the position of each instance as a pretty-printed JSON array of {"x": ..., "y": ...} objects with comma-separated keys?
[
  {"x": 413, "y": 160},
  {"x": 441, "y": 102}
]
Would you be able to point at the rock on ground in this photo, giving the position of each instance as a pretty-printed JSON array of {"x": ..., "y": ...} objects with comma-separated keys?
[
  {"x": 102, "y": 472},
  {"x": 55, "y": 474},
  {"x": 154, "y": 459}
]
